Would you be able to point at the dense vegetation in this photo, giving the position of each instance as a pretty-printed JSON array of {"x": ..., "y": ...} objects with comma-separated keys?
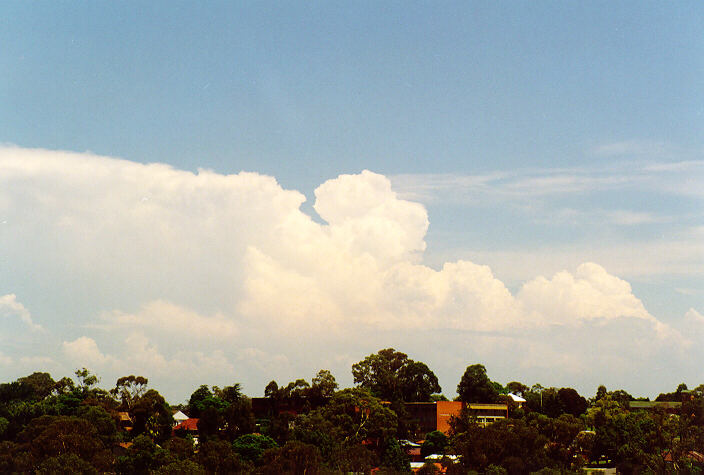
[{"x": 75, "y": 426}]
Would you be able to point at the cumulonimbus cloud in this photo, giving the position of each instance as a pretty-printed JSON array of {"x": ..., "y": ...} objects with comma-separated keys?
[{"x": 233, "y": 256}]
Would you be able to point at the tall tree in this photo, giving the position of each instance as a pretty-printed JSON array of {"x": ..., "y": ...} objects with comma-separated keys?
[
  {"x": 391, "y": 375},
  {"x": 324, "y": 384},
  {"x": 128, "y": 389},
  {"x": 475, "y": 386}
]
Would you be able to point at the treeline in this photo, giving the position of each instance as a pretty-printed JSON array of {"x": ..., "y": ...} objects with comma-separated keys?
[{"x": 75, "y": 426}]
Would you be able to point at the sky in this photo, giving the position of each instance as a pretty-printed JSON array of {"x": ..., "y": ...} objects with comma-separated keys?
[{"x": 246, "y": 191}]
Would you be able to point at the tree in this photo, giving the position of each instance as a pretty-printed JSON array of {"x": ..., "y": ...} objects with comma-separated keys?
[
  {"x": 324, "y": 384},
  {"x": 201, "y": 399},
  {"x": 152, "y": 416},
  {"x": 418, "y": 382},
  {"x": 238, "y": 419},
  {"x": 600, "y": 392},
  {"x": 294, "y": 457},
  {"x": 435, "y": 443},
  {"x": 42, "y": 384},
  {"x": 271, "y": 390},
  {"x": 510, "y": 444},
  {"x": 252, "y": 446},
  {"x": 297, "y": 389},
  {"x": 128, "y": 389},
  {"x": 102, "y": 421},
  {"x": 229, "y": 393},
  {"x": 517, "y": 388},
  {"x": 571, "y": 402},
  {"x": 209, "y": 422},
  {"x": 394, "y": 457},
  {"x": 68, "y": 464},
  {"x": 218, "y": 456},
  {"x": 475, "y": 386},
  {"x": 391, "y": 375},
  {"x": 54, "y": 436},
  {"x": 142, "y": 456},
  {"x": 86, "y": 379}
]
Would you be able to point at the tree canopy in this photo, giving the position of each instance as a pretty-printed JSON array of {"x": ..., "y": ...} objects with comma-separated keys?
[
  {"x": 475, "y": 386},
  {"x": 391, "y": 375}
]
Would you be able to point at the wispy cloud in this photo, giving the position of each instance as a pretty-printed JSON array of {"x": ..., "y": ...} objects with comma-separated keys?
[
  {"x": 631, "y": 148},
  {"x": 648, "y": 177}
]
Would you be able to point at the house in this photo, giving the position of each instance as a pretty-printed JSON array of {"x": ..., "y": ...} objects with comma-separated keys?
[
  {"x": 518, "y": 400},
  {"x": 124, "y": 421},
  {"x": 179, "y": 417},
  {"x": 412, "y": 450},
  {"x": 189, "y": 426}
]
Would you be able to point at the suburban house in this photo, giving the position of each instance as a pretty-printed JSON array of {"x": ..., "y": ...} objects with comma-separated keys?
[
  {"x": 518, "y": 400},
  {"x": 179, "y": 417},
  {"x": 189, "y": 426}
]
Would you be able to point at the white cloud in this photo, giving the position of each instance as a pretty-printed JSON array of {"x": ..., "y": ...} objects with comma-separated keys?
[
  {"x": 672, "y": 177},
  {"x": 692, "y": 316},
  {"x": 10, "y": 307},
  {"x": 590, "y": 294},
  {"x": 5, "y": 360},
  {"x": 229, "y": 276},
  {"x": 631, "y": 147},
  {"x": 170, "y": 319},
  {"x": 84, "y": 351}
]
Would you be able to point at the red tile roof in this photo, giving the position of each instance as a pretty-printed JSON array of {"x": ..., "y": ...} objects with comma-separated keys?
[{"x": 189, "y": 424}]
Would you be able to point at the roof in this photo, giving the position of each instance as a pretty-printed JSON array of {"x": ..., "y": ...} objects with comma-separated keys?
[
  {"x": 190, "y": 424},
  {"x": 180, "y": 416},
  {"x": 516, "y": 398},
  {"x": 408, "y": 443},
  {"x": 124, "y": 416},
  {"x": 441, "y": 456},
  {"x": 654, "y": 404}
]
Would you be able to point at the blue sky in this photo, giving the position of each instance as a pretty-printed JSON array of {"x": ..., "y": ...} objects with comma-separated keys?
[{"x": 535, "y": 138}]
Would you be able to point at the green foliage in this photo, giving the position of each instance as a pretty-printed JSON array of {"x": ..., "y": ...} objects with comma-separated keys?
[
  {"x": 53, "y": 436},
  {"x": 475, "y": 386},
  {"x": 179, "y": 447},
  {"x": 42, "y": 384},
  {"x": 218, "y": 456},
  {"x": 129, "y": 389},
  {"x": 435, "y": 443},
  {"x": 517, "y": 388},
  {"x": 59, "y": 427},
  {"x": 391, "y": 375},
  {"x": 86, "y": 379},
  {"x": 394, "y": 457},
  {"x": 509, "y": 443},
  {"x": 203, "y": 398},
  {"x": 101, "y": 420},
  {"x": 352, "y": 457},
  {"x": 252, "y": 446},
  {"x": 324, "y": 385},
  {"x": 65, "y": 464},
  {"x": 152, "y": 416},
  {"x": 142, "y": 456},
  {"x": 229, "y": 394},
  {"x": 571, "y": 402},
  {"x": 238, "y": 419},
  {"x": 181, "y": 467},
  {"x": 294, "y": 457}
]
